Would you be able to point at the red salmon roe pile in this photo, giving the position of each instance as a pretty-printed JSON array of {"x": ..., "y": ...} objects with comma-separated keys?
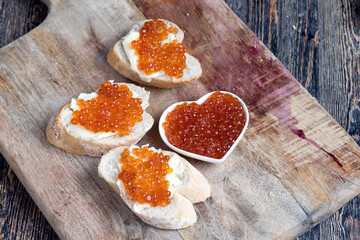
[
  {"x": 209, "y": 129},
  {"x": 113, "y": 110},
  {"x": 153, "y": 56},
  {"x": 143, "y": 176}
]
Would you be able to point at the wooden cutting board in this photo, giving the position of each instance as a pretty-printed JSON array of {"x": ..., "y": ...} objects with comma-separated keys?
[{"x": 294, "y": 167}]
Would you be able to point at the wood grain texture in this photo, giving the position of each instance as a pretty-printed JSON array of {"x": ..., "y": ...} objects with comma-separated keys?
[
  {"x": 20, "y": 218},
  {"x": 263, "y": 5}
]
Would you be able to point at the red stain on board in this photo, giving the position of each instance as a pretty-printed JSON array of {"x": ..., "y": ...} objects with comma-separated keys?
[
  {"x": 300, "y": 133},
  {"x": 283, "y": 113},
  {"x": 250, "y": 71},
  {"x": 261, "y": 78}
]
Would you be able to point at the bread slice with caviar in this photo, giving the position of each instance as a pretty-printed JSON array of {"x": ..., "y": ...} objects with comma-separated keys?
[
  {"x": 169, "y": 73},
  {"x": 143, "y": 187},
  {"x": 94, "y": 123}
]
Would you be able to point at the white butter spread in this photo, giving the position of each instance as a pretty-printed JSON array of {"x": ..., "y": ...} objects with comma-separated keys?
[
  {"x": 133, "y": 58},
  {"x": 78, "y": 130}
]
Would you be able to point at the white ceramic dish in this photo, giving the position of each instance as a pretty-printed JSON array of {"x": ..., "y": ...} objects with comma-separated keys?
[{"x": 197, "y": 156}]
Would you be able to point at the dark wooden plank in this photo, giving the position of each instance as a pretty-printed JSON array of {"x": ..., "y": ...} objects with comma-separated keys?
[
  {"x": 19, "y": 17},
  {"x": 261, "y": 16}
]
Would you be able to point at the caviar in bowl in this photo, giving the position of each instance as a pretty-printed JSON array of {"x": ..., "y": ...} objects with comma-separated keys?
[{"x": 208, "y": 129}]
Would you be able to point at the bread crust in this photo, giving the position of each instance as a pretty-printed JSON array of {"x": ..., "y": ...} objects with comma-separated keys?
[
  {"x": 120, "y": 63},
  {"x": 59, "y": 136}
]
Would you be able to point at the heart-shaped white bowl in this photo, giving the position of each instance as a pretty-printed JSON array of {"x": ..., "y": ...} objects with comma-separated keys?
[{"x": 193, "y": 155}]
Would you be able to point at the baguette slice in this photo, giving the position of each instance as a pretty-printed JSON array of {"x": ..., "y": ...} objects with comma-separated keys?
[
  {"x": 77, "y": 140},
  {"x": 187, "y": 186},
  {"x": 118, "y": 59}
]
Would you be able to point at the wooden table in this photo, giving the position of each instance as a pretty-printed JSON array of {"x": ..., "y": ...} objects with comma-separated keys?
[{"x": 317, "y": 41}]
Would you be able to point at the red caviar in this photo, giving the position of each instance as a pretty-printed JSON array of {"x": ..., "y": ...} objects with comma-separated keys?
[
  {"x": 209, "y": 129},
  {"x": 143, "y": 174},
  {"x": 113, "y": 110},
  {"x": 155, "y": 56}
]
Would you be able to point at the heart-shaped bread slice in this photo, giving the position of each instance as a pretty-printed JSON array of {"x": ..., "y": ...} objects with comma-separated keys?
[
  {"x": 208, "y": 129},
  {"x": 123, "y": 59},
  {"x": 185, "y": 183}
]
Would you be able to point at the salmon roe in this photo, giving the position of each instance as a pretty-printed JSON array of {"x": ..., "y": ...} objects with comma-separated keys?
[
  {"x": 113, "y": 110},
  {"x": 155, "y": 56},
  {"x": 208, "y": 129},
  {"x": 143, "y": 173}
]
